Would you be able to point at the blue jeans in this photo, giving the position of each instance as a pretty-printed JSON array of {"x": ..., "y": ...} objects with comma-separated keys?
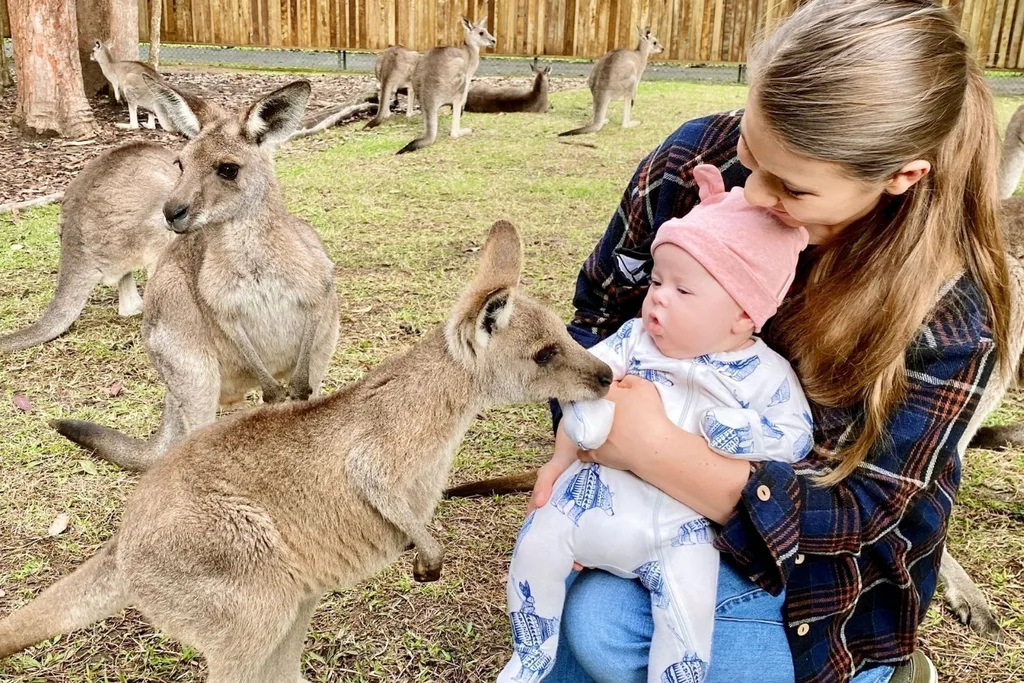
[{"x": 606, "y": 633}]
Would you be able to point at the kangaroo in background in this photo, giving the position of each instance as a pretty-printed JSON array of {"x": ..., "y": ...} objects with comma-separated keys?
[
  {"x": 442, "y": 76},
  {"x": 244, "y": 297},
  {"x": 617, "y": 74},
  {"x": 213, "y": 547},
  {"x": 393, "y": 68},
  {"x": 111, "y": 223},
  {"x": 485, "y": 98},
  {"x": 962, "y": 595},
  {"x": 133, "y": 80}
]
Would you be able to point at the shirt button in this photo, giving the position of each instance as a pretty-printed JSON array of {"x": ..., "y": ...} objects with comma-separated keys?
[
  {"x": 763, "y": 492},
  {"x": 799, "y": 559},
  {"x": 802, "y": 629}
]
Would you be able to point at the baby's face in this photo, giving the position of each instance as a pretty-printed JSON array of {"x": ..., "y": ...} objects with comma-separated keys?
[{"x": 686, "y": 312}]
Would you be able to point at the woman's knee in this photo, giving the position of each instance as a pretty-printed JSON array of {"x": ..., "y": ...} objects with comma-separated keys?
[{"x": 607, "y": 626}]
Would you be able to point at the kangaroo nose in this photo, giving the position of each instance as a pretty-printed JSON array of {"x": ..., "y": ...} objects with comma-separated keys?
[
  {"x": 174, "y": 214},
  {"x": 604, "y": 378}
]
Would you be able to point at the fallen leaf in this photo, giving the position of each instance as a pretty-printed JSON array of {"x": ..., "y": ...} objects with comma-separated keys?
[
  {"x": 3, "y": 593},
  {"x": 115, "y": 389},
  {"x": 17, "y": 247},
  {"x": 22, "y": 403},
  {"x": 87, "y": 466},
  {"x": 59, "y": 525},
  {"x": 366, "y": 309}
]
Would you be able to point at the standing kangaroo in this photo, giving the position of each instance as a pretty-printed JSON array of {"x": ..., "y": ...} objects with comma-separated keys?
[
  {"x": 617, "y": 74},
  {"x": 111, "y": 223},
  {"x": 394, "y": 68},
  {"x": 442, "y": 76},
  {"x": 244, "y": 297},
  {"x": 231, "y": 540},
  {"x": 487, "y": 99},
  {"x": 133, "y": 80}
]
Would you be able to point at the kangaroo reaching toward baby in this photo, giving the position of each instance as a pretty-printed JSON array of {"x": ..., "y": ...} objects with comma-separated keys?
[
  {"x": 394, "y": 69},
  {"x": 213, "y": 548},
  {"x": 111, "y": 223},
  {"x": 442, "y": 76},
  {"x": 244, "y": 297},
  {"x": 484, "y": 98},
  {"x": 617, "y": 75}
]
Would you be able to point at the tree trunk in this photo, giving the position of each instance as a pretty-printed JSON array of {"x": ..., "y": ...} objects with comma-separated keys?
[
  {"x": 156, "y": 9},
  {"x": 5, "y": 72},
  {"x": 112, "y": 21},
  {"x": 50, "y": 96}
]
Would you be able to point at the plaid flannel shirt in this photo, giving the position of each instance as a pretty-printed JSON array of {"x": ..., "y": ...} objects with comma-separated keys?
[{"x": 859, "y": 561}]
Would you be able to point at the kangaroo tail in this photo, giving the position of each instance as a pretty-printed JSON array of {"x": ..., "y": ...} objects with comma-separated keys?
[
  {"x": 429, "y": 134},
  {"x": 73, "y": 288},
  {"x": 589, "y": 128},
  {"x": 92, "y": 592},
  {"x": 513, "y": 483},
  {"x": 110, "y": 444}
]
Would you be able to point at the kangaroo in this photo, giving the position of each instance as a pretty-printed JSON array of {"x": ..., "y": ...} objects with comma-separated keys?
[
  {"x": 212, "y": 547},
  {"x": 442, "y": 76},
  {"x": 1011, "y": 164},
  {"x": 134, "y": 80},
  {"x": 111, "y": 223},
  {"x": 394, "y": 68},
  {"x": 244, "y": 297},
  {"x": 487, "y": 99},
  {"x": 617, "y": 74}
]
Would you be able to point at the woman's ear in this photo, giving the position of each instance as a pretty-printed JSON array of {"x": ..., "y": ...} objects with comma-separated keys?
[{"x": 907, "y": 176}]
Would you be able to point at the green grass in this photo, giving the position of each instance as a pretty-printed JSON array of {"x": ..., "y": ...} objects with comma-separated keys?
[{"x": 404, "y": 233}]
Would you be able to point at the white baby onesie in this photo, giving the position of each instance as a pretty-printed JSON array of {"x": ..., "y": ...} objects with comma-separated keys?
[{"x": 747, "y": 404}]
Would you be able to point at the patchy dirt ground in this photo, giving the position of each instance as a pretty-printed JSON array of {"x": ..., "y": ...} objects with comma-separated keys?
[{"x": 32, "y": 169}]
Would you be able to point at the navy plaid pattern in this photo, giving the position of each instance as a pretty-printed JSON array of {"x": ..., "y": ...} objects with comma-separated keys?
[{"x": 858, "y": 561}]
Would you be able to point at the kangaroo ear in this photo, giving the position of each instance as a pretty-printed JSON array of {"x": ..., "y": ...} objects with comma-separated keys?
[
  {"x": 487, "y": 303},
  {"x": 482, "y": 23},
  {"x": 178, "y": 110},
  {"x": 467, "y": 24},
  {"x": 272, "y": 119}
]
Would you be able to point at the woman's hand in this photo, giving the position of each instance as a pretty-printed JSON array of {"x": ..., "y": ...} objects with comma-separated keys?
[{"x": 639, "y": 415}]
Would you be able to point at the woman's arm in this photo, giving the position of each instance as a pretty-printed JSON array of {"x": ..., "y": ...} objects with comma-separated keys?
[{"x": 644, "y": 441}]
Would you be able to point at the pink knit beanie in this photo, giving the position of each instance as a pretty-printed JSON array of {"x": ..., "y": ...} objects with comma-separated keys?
[{"x": 748, "y": 250}]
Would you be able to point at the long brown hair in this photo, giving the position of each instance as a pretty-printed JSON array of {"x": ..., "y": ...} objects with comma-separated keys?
[{"x": 871, "y": 85}]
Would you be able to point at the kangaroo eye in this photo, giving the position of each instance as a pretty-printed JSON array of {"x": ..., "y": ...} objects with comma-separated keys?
[
  {"x": 228, "y": 171},
  {"x": 545, "y": 355}
]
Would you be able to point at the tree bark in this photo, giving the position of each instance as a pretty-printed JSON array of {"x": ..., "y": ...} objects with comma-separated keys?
[
  {"x": 5, "y": 72},
  {"x": 156, "y": 9},
  {"x": 51, "y": 100},
  {"x": 112, "y": 21}
]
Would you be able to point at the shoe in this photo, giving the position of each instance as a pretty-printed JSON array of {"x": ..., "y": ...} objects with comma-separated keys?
[{"x": 918, "y": 670}]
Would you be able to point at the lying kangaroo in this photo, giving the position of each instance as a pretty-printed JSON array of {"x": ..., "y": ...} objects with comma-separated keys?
[
  {"x": 394, "y": 68},
  {"x": 111, "y": 223},
  {"x": 213, "y": 547},
  {"x": 130, "y": 79},
  {"x": 617, "y": 74},
  {"x": 442, "y": 76},
  {"x": 244, "y": 297},
  {"x": 485, "y": 98}
]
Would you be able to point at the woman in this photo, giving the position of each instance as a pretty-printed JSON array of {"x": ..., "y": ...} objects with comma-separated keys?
[{"x": 869, "y": 123}]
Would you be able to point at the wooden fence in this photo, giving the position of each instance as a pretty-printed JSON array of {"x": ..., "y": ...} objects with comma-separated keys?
[{"x": 692, "y": 30}]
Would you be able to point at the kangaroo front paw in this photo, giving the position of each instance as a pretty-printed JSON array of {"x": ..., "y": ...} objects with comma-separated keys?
[
  {"x": 274, "y": 393},
  {"x": 300, "y": 390},
  {"x": 425, "y": 571}
]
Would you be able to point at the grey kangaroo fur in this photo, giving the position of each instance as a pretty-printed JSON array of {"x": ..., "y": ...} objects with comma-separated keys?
[
  {"x": 111, "y": 223},
  {"x": 962, "y": 595},
  {"x": 485, "y": 98},
  {"x": 244, "y": 297},
  {"x": 213, "y": 548},
  {"x": 442, "y": 76},
  {"x": 394, "y": 68},
  {"x": 617, "y": 75}
]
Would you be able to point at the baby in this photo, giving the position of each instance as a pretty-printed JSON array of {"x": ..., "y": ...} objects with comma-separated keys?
[{"x": 719, "y": 273}]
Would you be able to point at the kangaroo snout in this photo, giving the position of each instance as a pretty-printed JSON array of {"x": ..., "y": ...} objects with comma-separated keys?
[
  {"x": 604, "y": 377},
  {"x": 176, "y": 214}
]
